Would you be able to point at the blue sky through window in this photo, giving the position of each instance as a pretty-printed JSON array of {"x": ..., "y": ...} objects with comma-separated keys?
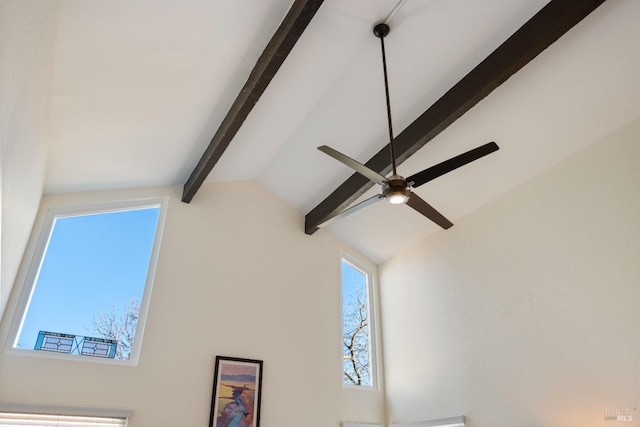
[
  {"x": 354, "y": 282},
  {"x": 91, "y": 263}
]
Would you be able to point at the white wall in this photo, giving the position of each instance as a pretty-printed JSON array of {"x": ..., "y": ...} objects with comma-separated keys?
[
  {"x": 27, "y": 32},
  {"x": 527, "y": 312},
  {"x": 236, "y": 276}
]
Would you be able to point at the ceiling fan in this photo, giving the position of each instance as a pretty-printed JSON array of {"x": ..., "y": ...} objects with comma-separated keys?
[{"x": 397, "y": 189}]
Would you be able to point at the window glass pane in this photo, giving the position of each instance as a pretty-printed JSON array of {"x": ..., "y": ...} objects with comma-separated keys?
[
  {"x": 356, "y": 345},
  {"x": 90, "y": 284}
]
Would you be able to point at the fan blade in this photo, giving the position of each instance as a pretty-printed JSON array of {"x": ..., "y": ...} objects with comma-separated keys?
[
  {"x": 358, "y": 167},
  {"x": 448, "y": 165},
  {"x": 427, "y": 210},
  {"x": 352, "y": 209}
]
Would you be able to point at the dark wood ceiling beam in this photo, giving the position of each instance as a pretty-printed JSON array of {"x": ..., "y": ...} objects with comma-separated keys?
[
  {"x": 282, "y": 42},
  {"x": 547, "y": 26}
]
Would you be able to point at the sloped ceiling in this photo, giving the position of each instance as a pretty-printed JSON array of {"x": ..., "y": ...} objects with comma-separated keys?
[{"x": 139, "y": 89}]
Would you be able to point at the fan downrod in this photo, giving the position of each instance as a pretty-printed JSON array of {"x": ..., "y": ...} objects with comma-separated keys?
[{"x": 380, "y": 31}]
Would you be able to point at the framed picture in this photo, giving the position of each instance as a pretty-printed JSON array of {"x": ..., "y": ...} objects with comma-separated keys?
[{"x": 237, "y": 385}]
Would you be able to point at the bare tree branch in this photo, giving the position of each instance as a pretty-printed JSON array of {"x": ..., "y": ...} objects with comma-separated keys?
[
  {"x": 122, "y": 329},
  {"x": 356, "y": 340}
]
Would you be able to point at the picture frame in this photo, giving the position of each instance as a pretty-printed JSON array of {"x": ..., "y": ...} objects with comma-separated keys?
[{"x": 237, "y": 392}]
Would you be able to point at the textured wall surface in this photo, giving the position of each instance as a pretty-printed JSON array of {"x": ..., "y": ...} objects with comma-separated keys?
[
  {"x": 27, "y": 33},
  {"x": 236, "y": 276},
  {"x": 527, "y": 311}
]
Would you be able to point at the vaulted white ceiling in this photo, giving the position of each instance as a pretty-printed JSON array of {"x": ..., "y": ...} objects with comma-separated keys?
[{"x": 140, "y": 87}]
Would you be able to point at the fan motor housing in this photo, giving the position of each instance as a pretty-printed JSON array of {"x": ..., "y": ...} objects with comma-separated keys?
[{"x": 396, "y": 186}]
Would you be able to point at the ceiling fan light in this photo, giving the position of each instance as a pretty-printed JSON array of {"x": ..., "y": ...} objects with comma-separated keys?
[{"x": 397, "y": 199}]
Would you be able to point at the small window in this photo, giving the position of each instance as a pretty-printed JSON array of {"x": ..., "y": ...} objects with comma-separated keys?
[
  {"x": 16, "y": 419},
  {"x": 89, "y": 284},
  {"x": 357, "y": 325},
  {"x": 14, "y": 414}
]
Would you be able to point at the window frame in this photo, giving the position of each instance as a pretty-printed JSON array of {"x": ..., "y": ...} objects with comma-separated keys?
[
  {"x": 34, "y": 256},
  {"x": 370, "y": 271}
]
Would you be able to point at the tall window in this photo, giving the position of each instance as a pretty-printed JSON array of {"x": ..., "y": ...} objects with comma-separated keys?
[
  {"x": 357, "y": 324},
  {"x": 89, "y": 283}
]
